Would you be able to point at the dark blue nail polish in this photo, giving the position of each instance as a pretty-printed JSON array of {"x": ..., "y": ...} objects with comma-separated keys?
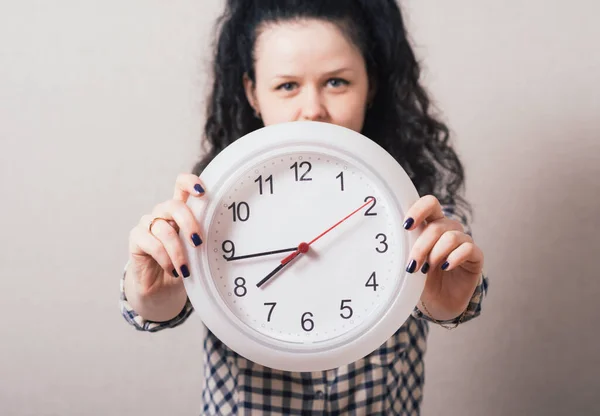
[
  {"x": 198, "y": 188},
  {"x": 411, "y": 266},
  {"x": 196, "y": 239},
  {"x": 425, "y": 268},
  {"x": 445, "y": 265},
  {"x": 408, "y": 223},
  {"x": 185, "y": 271},
  {"x": 175, "y": 273}
]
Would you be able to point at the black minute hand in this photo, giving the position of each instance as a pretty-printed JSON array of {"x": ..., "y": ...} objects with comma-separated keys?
[{"x": 264, "y": 253}]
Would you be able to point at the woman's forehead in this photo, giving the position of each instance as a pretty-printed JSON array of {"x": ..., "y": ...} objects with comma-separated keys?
[{"x": 292, "y": 44}]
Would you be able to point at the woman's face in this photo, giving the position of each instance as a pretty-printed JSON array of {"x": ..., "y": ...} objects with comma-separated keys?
[{"x": 308, "y": 70}]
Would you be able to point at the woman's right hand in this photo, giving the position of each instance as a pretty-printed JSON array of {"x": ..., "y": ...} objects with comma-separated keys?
[{"x": 157, "y": 257}]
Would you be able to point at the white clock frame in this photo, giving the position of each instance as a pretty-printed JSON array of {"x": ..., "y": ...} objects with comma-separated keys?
[{"x": 200, "y": 286}]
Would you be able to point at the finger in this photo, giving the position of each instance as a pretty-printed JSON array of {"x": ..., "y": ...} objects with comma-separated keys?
[
  {"x": 426, "y": 241},
  {"x": 187, "y": 184},
  {"x": 445, "y": 245},
  {"x": 184, "y": 220},
  {"x": 468, "y": 256},
  {"x": 168, "y": 237},
  {"x": 427, "y": 208},
  {"x": 141, "y": 242},
  {"x": 146, "y": 221}
]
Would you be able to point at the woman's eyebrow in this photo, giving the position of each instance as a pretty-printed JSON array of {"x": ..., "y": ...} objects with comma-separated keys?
[
  {"x": 338, "y": 71},
  {"x": 328, "y": 73}
]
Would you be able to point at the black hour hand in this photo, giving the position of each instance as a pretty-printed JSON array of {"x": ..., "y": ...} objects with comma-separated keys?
[{"x": 273, "y": 273}]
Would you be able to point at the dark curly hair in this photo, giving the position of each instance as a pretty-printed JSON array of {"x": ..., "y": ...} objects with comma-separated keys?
[{"x": 399, "y": 118}]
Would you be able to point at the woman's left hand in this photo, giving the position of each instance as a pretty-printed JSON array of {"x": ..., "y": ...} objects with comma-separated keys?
[{"x": 449, "y": 257}]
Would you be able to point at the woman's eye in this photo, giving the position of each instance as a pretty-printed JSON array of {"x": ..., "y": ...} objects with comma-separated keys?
[
  {"x": 287, "y": 86},
  {"x": 337, "y": 82}
]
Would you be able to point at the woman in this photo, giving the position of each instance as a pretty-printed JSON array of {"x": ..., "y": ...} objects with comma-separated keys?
[{"x": 346, "y": 62}]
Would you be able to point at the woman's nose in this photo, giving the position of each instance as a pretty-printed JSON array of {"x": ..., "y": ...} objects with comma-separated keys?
[{"x": 313, "y": 107}]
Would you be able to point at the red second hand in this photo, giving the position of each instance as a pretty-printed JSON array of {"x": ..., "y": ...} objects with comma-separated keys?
[{"x": 303, "y": 247}]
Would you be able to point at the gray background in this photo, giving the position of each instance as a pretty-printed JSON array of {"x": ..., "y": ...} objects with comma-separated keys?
[{"x": 101, "y": 108}]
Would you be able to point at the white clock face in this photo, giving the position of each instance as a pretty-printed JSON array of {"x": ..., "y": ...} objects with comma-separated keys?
[
  {"x": 282, "y": 188},
  {"x": 346, "y": 277}
]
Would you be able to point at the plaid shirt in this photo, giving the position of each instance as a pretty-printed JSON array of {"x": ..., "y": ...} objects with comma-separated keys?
[{"x": 388, "y": 381}]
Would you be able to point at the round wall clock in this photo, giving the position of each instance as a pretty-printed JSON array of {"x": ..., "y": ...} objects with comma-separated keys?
[{"x": 303, "y": 266}]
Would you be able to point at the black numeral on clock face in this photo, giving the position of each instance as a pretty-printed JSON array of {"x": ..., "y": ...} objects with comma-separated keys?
[
  {"x": 268, "y": 180},
  {"x": 240, "y": 287},
  {"x": 341, "y": 177},
  {"x": 347, "y": 311},
  {"x": 302, "y": 165},
  {"x": 383, "y": 243},
  {"x": 228, "y": 248},
  {"x": 241, "y": 211},
  {"x": 372, "y": 282},
  {"x": 307, "y": 323},
  {"x": 368, "y": 212},
  {"x": 272, "y": 305}
]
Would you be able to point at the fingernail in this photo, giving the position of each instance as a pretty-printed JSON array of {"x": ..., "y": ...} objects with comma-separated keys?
[
  {"x": 408, "y": 223},
  {"x": 175, "y": 273},
  {"x": 196, "y": 239},
  {"x": 425, "y": 268},
  {"x": 198, "y": 188},
  {"x": 445, "y": 265},
  {"x": 185, "y": 271},
  {"x": 411, "y": 266}
]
